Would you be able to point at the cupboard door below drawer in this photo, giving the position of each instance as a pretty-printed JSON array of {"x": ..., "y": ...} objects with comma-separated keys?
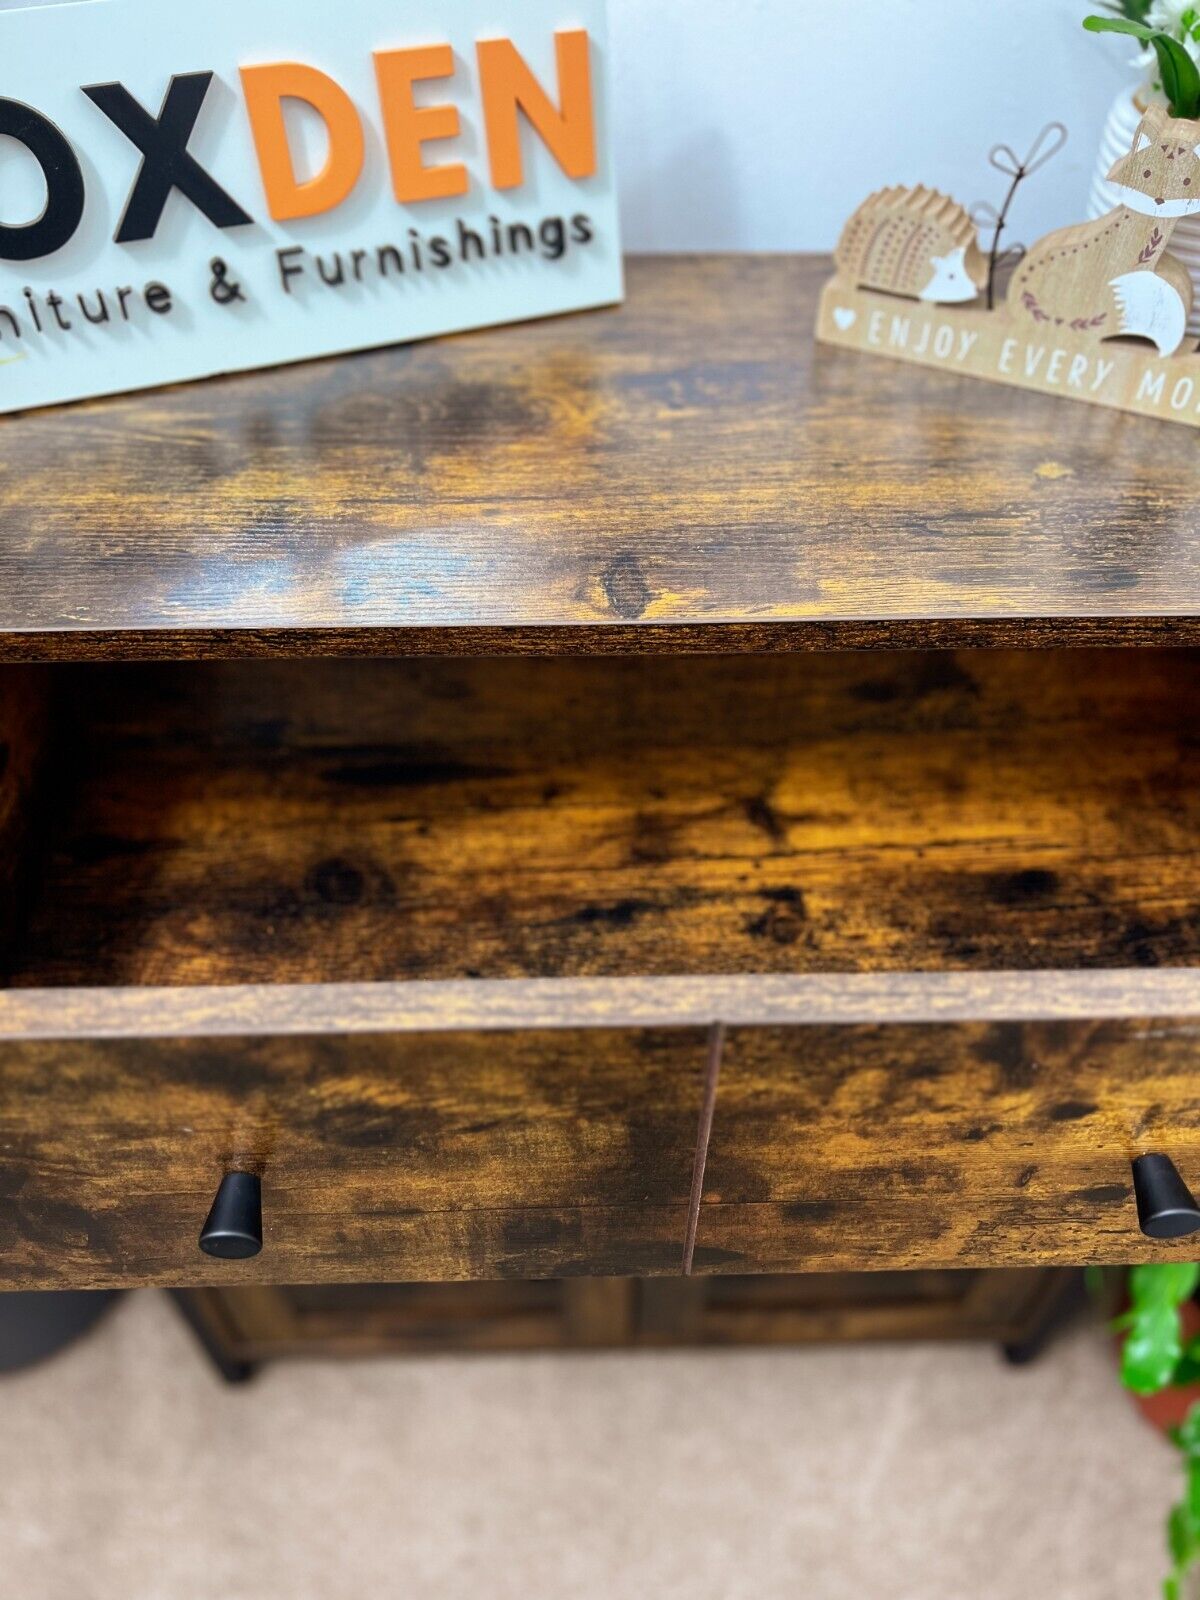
[
  {"x": 1006, "y": 1145},
  {"x": 415, "y": 1158}
]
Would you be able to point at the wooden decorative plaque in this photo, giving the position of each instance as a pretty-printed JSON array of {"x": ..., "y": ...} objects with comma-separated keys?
[{"x": 1095, "y": 312}]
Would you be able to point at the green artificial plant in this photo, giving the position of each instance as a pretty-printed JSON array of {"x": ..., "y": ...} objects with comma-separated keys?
[
  {"x": 1179, "y": 73},
  {"x": 1155, "y": 1355}
]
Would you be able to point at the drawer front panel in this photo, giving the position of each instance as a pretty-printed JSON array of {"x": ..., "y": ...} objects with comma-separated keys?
[
  {"x": 414, "y": 1158},
  {"x": 1004, "y": 1145}
]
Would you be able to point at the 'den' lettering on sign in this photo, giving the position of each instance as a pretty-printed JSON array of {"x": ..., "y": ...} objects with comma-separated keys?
[{"x": 191, "y": 190}]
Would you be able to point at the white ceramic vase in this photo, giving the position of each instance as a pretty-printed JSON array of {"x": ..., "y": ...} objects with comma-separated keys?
[{"x": 1119, "y": 130}]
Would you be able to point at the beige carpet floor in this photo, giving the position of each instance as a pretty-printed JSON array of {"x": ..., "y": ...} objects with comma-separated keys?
[{"x": 128, "y": 1472}]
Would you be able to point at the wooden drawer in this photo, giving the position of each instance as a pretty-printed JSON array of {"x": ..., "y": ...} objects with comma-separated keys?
[
  {"x": 419, "y": 1157},
  {"x": 1004, "y": 1144}
]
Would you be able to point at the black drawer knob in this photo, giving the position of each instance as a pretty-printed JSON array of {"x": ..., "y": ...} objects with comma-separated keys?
[
  {"x": 1166, "y": 1209},
  {"x": 233, "y": 1230}
]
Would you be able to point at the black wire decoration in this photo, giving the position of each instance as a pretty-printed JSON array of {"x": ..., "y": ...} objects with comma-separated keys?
[{"x": 985, "y": 215}]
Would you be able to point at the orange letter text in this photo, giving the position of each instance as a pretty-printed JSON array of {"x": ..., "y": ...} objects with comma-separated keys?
[
  {"x": 266, "y": 88},
  {"x": 408, "y": 126},
  {"x": 509, "y": 87}
]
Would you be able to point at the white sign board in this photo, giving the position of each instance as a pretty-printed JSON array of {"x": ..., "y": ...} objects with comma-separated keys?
[{"x": 192, "y": 189}]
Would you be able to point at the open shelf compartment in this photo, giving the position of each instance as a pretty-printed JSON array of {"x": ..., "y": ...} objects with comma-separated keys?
[{"x": 308, "y": 822}]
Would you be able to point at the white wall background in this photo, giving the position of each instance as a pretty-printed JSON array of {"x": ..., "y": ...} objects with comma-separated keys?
[{"x": 760, "y": 124}]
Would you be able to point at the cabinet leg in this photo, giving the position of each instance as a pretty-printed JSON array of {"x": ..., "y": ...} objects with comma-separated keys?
[
  {"x": 1022, "y": 1352},
  {"x": 1063, "y": 1295},
  {"x": 231, "y": 1369}
]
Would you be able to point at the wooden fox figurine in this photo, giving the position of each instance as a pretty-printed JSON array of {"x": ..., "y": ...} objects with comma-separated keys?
[{"x": 1115, "y": 276}]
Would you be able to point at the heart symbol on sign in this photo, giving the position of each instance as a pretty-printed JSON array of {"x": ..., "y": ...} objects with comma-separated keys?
[{"x": 844, "y": 317}]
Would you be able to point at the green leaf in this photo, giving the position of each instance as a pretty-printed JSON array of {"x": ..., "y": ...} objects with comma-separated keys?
[
  {"x": 1187, "y": 1369},
  {"x": 1138, "y": 30},
  {"x": 1183, "y": 1523},
  {"x": 1180, "y": 76},
  {"x": 1183, "y": 1536},
  {"x": 1163, "y": 1283},
  {"x": 1178, "y": 1533},
  {"x": 1187, "y": 1434},
  {"x": 1151, "y": 1350}
]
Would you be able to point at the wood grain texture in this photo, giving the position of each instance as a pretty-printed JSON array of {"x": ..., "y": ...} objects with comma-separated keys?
[
  {"x": 321, "y": 822},
  {"x": 24, "y": 754},
  {"x": 414, "y": 1159},
  {"x": 1000, "y": 1145},
  {"x": 688, "y": 473},
  {"x": 520, "y": 850},
  {"x": 1011, "y": 1306},
  {"x": 253, "y": 1324}
]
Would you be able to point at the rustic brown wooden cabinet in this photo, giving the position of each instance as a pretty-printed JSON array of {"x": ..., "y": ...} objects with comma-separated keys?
[
  {"x": 243, "y": 1327},
  {"x": 442, "y": 782}
]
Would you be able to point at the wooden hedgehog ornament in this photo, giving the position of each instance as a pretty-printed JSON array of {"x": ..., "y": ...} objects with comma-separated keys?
[
  {"x": 913, "y": 242},
  {"x": 1097, "y": 311}
]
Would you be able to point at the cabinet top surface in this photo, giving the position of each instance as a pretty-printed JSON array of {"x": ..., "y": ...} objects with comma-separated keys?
[{"x": 688, "y": 472}]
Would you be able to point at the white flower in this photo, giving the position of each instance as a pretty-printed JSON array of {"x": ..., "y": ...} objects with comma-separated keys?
[
  {"x": 1179, "y": 18},
  {"x": 1169, "y": 15}
]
